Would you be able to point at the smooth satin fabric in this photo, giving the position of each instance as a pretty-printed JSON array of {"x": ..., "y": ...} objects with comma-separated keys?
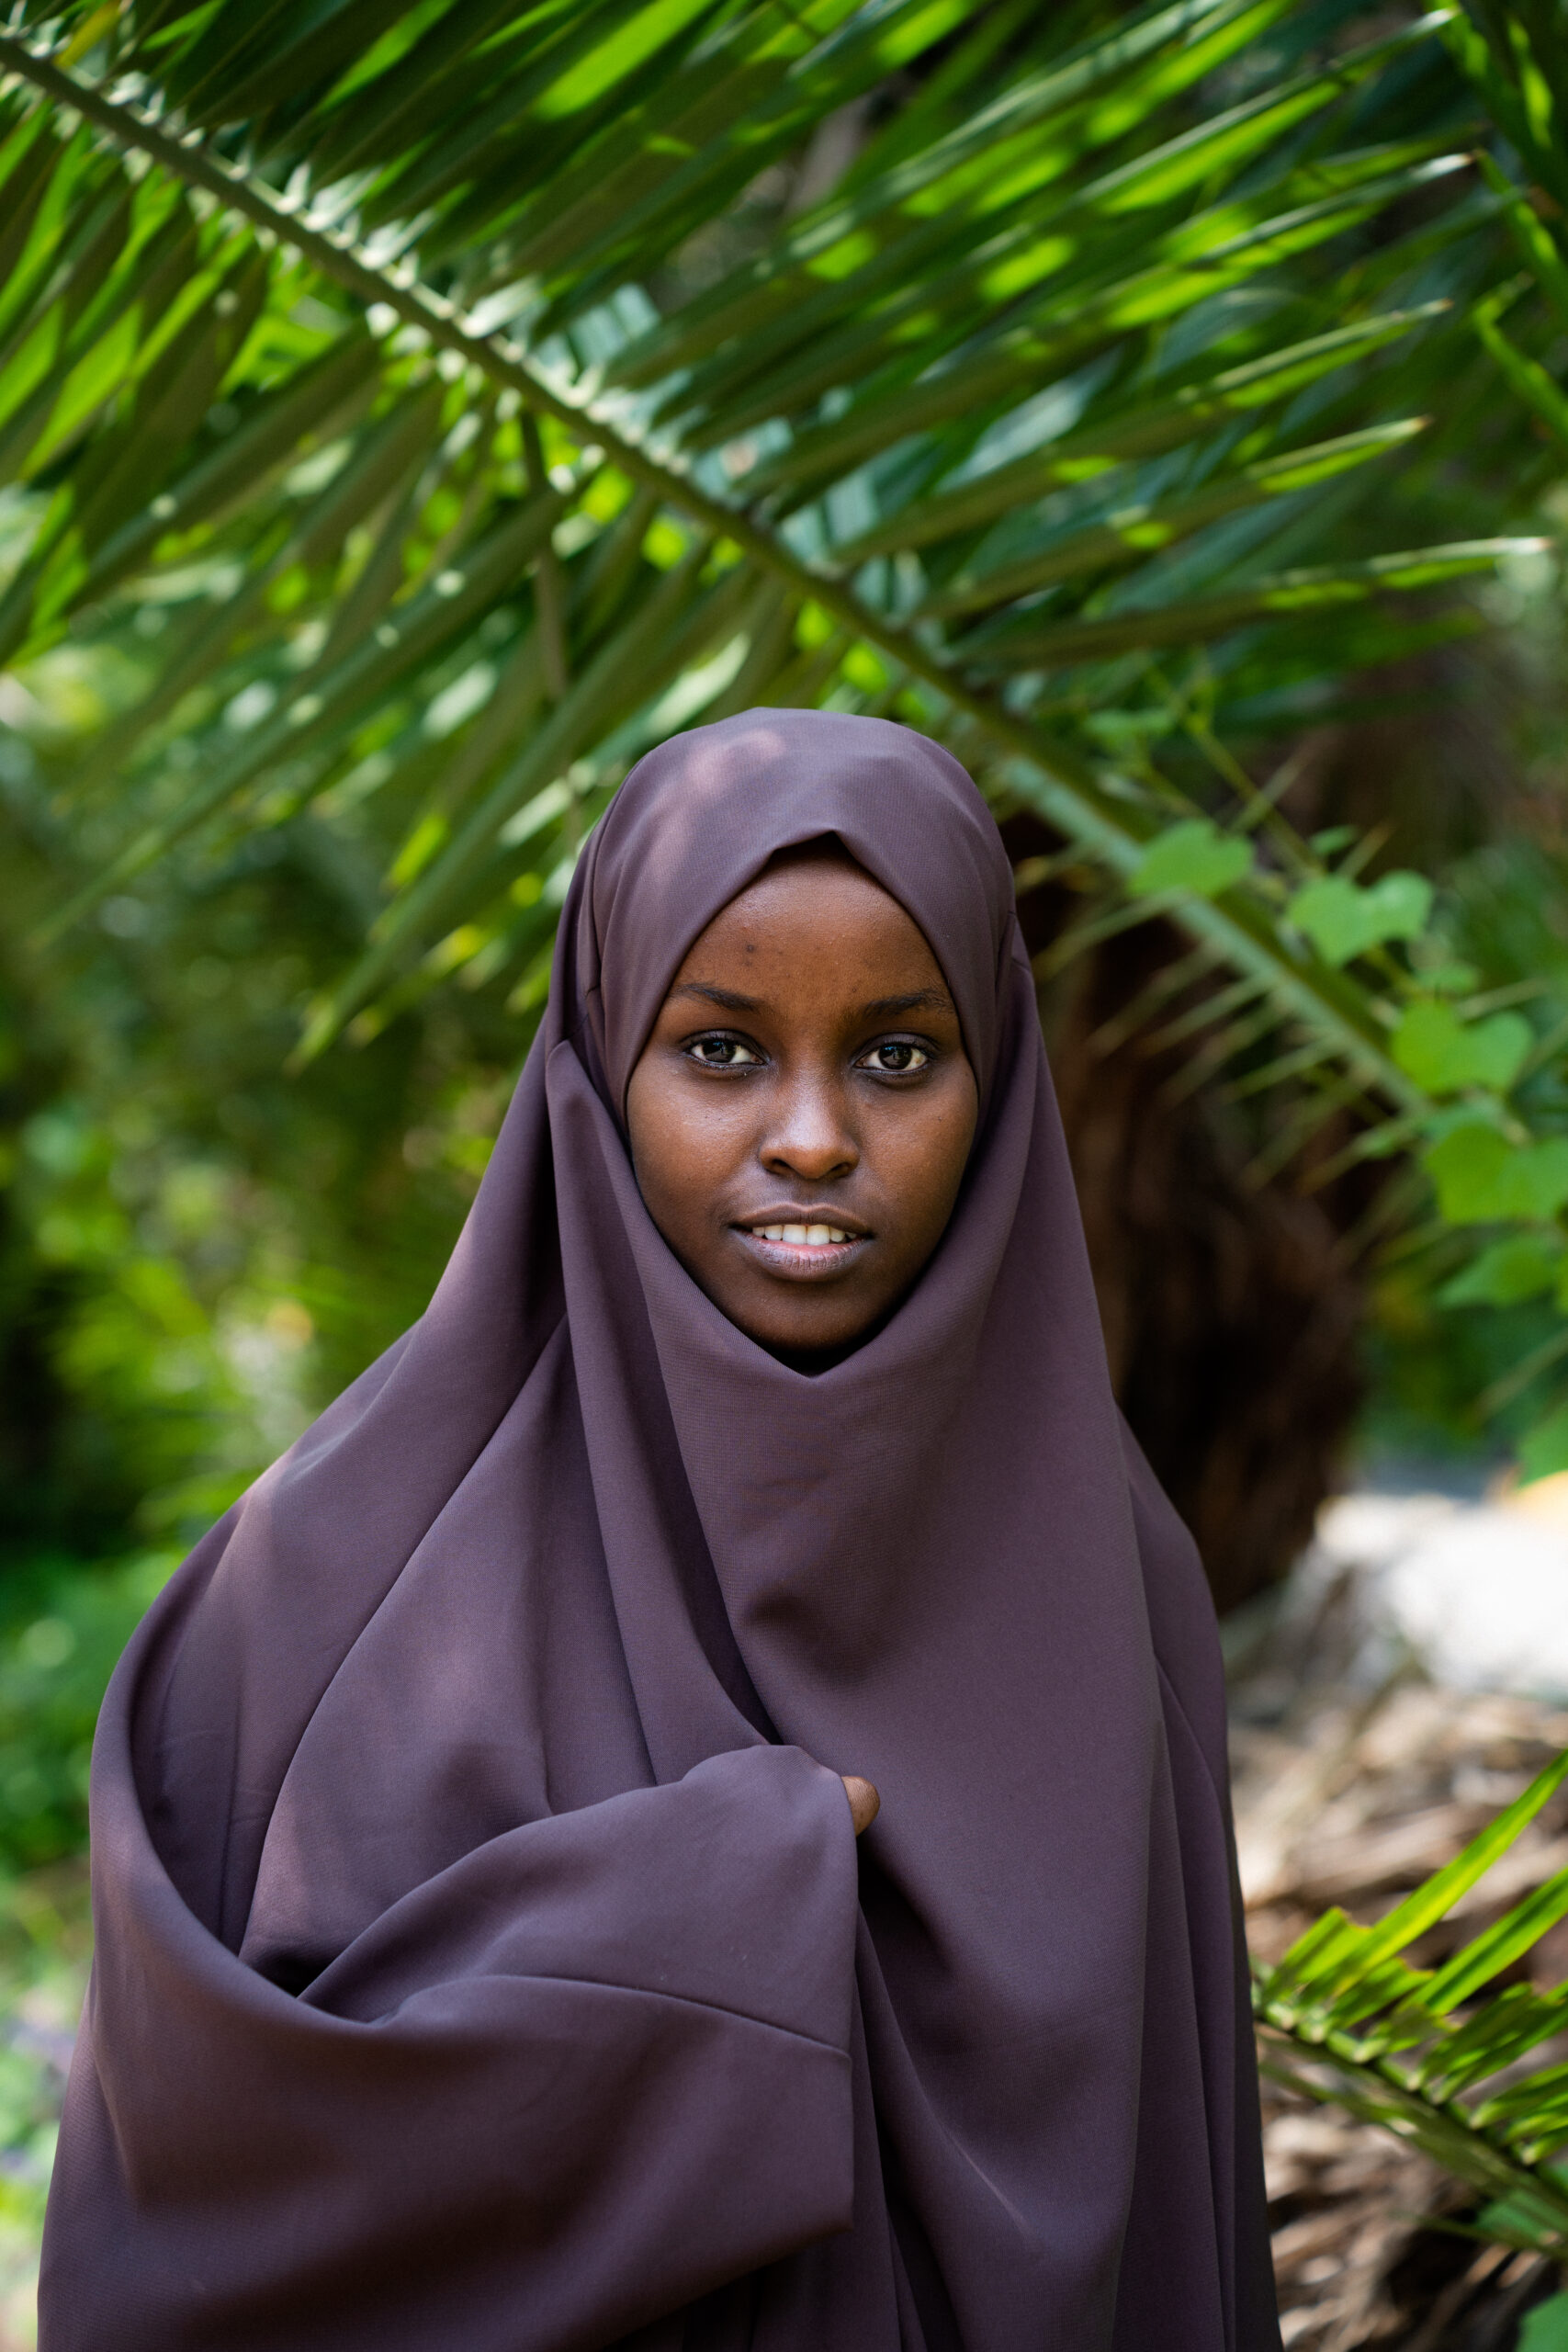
[{"x": 485, "y": 1956}]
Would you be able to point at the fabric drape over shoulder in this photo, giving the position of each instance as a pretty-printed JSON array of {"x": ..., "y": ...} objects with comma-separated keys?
[{"x": 484, "y": 1954}]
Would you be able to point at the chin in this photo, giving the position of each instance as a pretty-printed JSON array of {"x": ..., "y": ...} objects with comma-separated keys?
[{"x": 790, "y": 1339}]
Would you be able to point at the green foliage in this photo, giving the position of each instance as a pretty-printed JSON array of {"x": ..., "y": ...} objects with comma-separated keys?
[
  {"x": 65, "y": 1625},
  {"x": 1343, "y": 919},
  {"x": 1481, "y": 1178},
  {"x": 1544, "y": 1449},
  {"x": 1546, "y": 2328},
  {"x": 45, "y": 1935},
  {"x": 1445, "y": 1054},
  {"x": 1192, "y": 855},
  {"x": 1431, "y": 2053},
  {"x": 1523, "y": 1266},
  {"x": 1095, "y": 243},
  {"x": 99, "y": 1314},
  {"x": 193, "y": 1248}
]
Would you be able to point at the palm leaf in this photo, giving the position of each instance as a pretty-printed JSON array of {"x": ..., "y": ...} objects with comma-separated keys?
[
  {"x": 1342, "y": 2017},
  {"x": 502, "y": 360}
]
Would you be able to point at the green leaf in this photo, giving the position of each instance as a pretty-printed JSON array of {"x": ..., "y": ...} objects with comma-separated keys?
[
  {"x": 1543, "y": 1450},
  {"x": 1428, "y": 1903},
  {"x": 1443, "y": 1053},
  {"x": 1132, "y": 534},
  {"x": 1028, "y": 643},
  {"x": 1327, "y": 1965},
  {"x": 1138, "y": 429},
  {"x": 1534, "y": 2199},
  {"x": 1486, "y": 1955},
  {"x": 1193, "y": 856},
  {"x": 1500, "y": 2030},
  {"x": 1505, "y": 1272},
  {"x": 1480, "y": 1175},
  {"x": 428, "y": 623},
  {"x": 1343, "y": 920},
  {"x": 1526, "y": 376},
  {"x": 1546, "y": 2328},
  {"x": 1453, "y": 980},
  {"x": 1530, "y": 234}
]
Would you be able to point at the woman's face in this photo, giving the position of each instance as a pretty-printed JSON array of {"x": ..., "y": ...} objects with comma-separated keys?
[{"x": 801, "y": 1115}]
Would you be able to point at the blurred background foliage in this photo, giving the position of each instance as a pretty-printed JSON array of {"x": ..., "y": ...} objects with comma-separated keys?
[{"x": 407, "y": 415}]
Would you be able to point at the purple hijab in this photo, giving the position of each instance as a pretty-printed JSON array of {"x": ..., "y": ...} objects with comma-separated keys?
[{"x": 485, "y": 1958}]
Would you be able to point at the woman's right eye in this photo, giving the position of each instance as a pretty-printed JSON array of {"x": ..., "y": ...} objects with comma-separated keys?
[{"x": 723, "y": 1053}]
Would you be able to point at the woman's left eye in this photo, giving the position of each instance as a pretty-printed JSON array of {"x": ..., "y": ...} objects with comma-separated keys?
[{"x": 894, "y": 1057}]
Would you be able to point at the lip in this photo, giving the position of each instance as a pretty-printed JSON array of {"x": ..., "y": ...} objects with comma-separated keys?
[{"x": 803, "y": 1261}]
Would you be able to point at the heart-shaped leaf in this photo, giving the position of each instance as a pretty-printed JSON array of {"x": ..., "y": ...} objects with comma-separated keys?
[
  {"x": 1480, "y": 1175},
  {"x": 1343, "y": 920},
  {"x": 1193, "y": 856},
  {"x": 1522, "y": 1266},
  {"x": 1443, "y": 1053}
]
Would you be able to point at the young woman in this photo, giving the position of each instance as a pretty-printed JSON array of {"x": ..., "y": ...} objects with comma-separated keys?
[{"x": 486, "y": 1959}]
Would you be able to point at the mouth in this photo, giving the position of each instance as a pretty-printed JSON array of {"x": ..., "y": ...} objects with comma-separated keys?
[{"x": 801, "y": 1247}]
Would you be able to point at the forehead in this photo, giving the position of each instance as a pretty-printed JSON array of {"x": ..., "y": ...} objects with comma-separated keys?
[
  {"x": 703, "y": 814},
  {"x": 817, "y": 919}
]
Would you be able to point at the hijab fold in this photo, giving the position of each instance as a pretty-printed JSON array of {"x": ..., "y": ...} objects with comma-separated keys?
[{"x": 484, "y": 1952}]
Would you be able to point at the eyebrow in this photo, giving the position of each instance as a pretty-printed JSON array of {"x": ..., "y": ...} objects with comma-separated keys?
[
  {"x": 881, "y": 1008},
  {"x": 918, "y": 1000},
  {"x": 731, "y": 999}
]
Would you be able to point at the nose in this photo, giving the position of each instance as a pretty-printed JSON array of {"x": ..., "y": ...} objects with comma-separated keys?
[{"x": 809, "y": 1136}]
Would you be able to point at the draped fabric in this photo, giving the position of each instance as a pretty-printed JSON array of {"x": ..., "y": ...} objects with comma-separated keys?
[{"x": 485, "y": 1957}]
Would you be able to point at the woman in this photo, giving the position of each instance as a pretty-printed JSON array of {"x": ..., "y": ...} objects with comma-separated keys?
[{"x": 486, "y": 1959}]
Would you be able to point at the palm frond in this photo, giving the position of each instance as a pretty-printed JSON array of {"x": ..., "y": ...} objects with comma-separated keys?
[{"x": 1430, "y": 2053}]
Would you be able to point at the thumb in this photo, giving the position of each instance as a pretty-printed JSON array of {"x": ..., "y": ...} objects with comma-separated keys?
[{"x": 864, "y": 1802}]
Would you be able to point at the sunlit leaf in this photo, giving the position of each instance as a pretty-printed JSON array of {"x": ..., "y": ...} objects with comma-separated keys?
[
  {"x": 1505, "y": 1272},
  {"x": 1343, "y": 919},
  {"x": 1480, "y": 1176},
  {"x": 1193, "y": 856},
  {"x": 1544, "y": 1449},
  {"x": 1545, "y": 2329},
  {"x": 1443, "y": 1053}
]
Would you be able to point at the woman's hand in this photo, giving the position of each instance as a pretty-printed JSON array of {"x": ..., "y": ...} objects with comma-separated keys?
[{"x": 864, "y": 1802}]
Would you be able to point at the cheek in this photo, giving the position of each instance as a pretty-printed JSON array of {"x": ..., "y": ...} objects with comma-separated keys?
[
  {"x": 680, "y": 1147},
  {"x": 923, "y": 1162}
]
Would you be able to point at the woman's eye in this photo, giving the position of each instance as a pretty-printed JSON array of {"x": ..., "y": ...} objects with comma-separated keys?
[
  {"x": 894, "y": 1057},
  {"x": 723, "y": 1053}
]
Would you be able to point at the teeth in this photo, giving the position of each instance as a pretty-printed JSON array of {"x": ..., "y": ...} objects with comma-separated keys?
[{"x": 802, "y": 1237}]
